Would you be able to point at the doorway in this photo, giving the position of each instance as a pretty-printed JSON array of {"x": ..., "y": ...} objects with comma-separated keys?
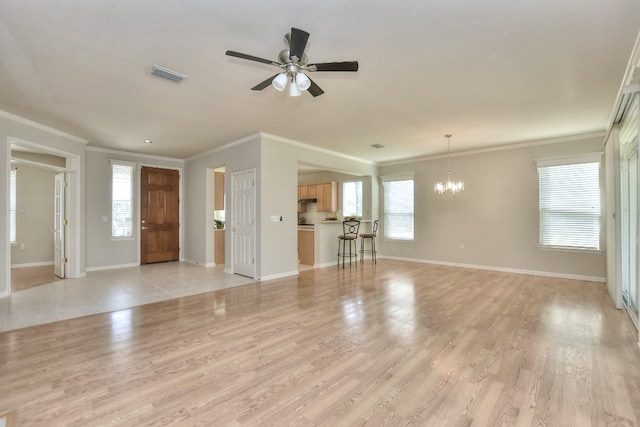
[
  {"x": 629, "y": 211},
  {"x": 629, "y": 199},
  {"x": 159, "y": 215},
  {"x": 32, "y": 258}
]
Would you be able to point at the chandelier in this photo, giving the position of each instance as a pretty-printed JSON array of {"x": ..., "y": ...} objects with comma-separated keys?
[{"x": 448, "y": 186}]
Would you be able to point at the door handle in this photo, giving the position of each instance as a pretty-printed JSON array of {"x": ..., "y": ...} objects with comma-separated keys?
[{"x": 143, "y": 228}]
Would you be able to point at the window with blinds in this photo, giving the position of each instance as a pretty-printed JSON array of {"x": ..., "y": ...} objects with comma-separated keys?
[
  {"x": 12, "y": 207},
  {"x": 352, "y": 198},
  {"x": 121, "y": 200},
  {"x": 398, "y": 209},
  {"x": 569, "y": 203}
]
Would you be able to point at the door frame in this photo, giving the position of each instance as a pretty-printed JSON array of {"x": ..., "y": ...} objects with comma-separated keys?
[
  {"x": 255, "y": 220},
  {"x": 74, "y": 247},
  {"x": 136, "y": 224},
  {"x": 59, "y": 224}
]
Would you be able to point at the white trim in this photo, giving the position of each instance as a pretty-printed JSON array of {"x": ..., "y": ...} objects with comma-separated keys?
[
  {"x": 198, "y": 263},
  {"x": 573, "y": 159},
  {"x": 44, "y": 149},
  {"x": 314, "y": 148},
  {"x": 240, "y": 141},
  {"x": 112, "y": 267},
  {"x": 279, "y": 275},
  {"x": 40, "y": 165},
  {"x": 517, "y": 145},
  {"x": 501, "y": 269},
  {"x": 32, "y": 264},
  {"x": 325, "y": 264},
  {"x": 392, "y": 178},
  {"x": 632, "y": 65},
  {"x": 133, "y": 154},
  {"x": 40, "y": 126}
]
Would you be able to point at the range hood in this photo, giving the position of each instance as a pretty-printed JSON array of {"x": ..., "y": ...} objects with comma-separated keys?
[{"x": 308, "y": 200}]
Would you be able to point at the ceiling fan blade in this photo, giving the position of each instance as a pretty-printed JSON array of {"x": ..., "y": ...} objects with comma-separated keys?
[
  {"x": 251, "y": 58},
  {"x": 314, "y": 89},
  {"x": 334, "y": 66},
  {"x": 298, "y": 43},
  {"x": 265, "y": 83}
]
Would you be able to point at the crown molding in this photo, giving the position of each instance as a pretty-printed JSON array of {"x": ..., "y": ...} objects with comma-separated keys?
[
  {"x": 317, "y": 149},
  {"x": 240, "y": 141},
  {"x": 41, "y": 127},
  {"x": 514, "y": 146},
  {"x": 133, "y": 154}
]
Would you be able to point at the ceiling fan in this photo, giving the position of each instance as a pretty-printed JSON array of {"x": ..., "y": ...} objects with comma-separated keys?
[{"x": 294, "y": 62}]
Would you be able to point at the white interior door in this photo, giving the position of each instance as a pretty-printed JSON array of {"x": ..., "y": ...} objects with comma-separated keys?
[
  {"x": 59, "y": 226},
  {"x": 243, "y": 223}
]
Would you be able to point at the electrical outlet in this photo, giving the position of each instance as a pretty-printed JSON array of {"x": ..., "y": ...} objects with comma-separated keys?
[{"x": 461, "y": 245}]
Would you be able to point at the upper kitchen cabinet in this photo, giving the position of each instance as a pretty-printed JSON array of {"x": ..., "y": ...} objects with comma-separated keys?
[
  {"x": 327, "y": 195},
  {"x": 303, "y": 193}
]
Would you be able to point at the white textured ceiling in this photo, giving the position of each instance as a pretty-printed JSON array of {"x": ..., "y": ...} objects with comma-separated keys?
[{"x": 490, "y": 72}]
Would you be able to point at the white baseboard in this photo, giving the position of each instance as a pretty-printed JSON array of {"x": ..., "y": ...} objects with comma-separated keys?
[
  {"x": 279, "y": 275},
  {"x": 32, "y": 264},
  {"x": 502, "y": 269},
  {"x": 325, "y": 264},
  {"x": 112, "y": 267}
]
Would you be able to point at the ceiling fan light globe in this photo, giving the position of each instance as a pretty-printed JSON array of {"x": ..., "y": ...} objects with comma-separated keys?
[
  {"x": 294, "y": 90},
  {"x": 303, "y": 81},
  {"x": 280, "y": 82}
]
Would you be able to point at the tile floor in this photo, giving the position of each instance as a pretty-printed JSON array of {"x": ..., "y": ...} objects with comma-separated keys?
[{"x": 111, "y": 290}]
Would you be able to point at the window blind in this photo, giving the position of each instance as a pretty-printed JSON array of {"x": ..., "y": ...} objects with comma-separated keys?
[
  {"x": 569, "y": 203},
  {"x": 121, "y": 200},
  {"x": 398, "y": 209}
]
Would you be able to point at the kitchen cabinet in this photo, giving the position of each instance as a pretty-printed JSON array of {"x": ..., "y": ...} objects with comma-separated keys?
[
  {"x": 302, "y": 207},
  {"x": 327, "y": 195},
  {"x": 306, "y": 252},
  {"x": 218, "y": 192},
  {"x": 303, "y": 192},
  {"x": 313, "y": 192},
  {"x": 218, "y": 246}
]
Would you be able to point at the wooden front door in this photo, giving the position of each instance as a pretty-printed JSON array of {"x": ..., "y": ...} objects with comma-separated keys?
[{"x": 159, "y": 215}]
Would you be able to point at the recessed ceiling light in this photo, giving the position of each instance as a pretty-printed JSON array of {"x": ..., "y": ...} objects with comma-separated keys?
[
  {"x": 377, "y": 145},
  {"x": 148, "y": 141}
]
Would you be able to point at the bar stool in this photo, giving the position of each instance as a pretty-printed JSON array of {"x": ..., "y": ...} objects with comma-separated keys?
[
  {"x": 371, "y": 236},
  {"x": 349, "y": 234}
]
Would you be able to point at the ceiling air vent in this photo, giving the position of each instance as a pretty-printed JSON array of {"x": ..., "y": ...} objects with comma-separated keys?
[{"x": 167, "y": 74}]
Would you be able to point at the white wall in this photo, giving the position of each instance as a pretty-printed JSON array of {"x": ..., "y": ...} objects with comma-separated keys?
[
  {"x": 102, "y": 250},
  {"x": 495, "y": 218},
  {"x": 34, "y": 219},
  {"x": 276, "y": 162},
  {"x": 235, "y": 157}
]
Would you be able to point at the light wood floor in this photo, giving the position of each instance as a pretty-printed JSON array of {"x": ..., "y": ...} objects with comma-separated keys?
[
  {"x": 401, "y": 344},
  {"x": 29, "y": 277}
]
